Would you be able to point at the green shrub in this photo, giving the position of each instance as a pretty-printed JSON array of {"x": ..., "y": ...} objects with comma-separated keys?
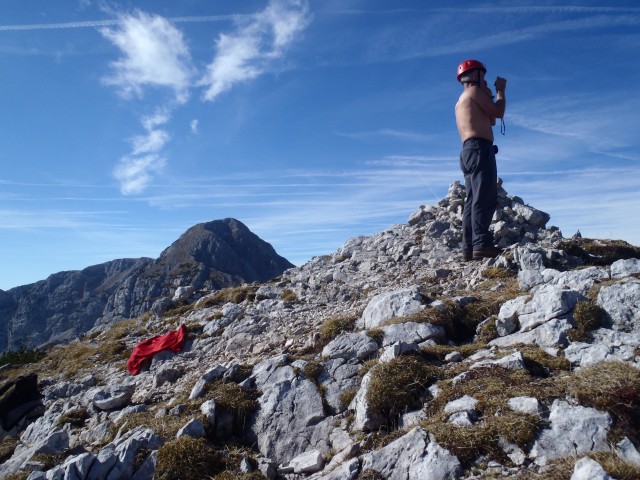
[{"x": 22, "y": 356}]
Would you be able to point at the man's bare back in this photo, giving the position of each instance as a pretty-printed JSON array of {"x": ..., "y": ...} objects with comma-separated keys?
[{"x": 476, "y": 112}]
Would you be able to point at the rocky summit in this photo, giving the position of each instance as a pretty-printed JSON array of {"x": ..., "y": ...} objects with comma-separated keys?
[
  {"x": 391, "y": 358},
  {"x": 208, "y": 256}
]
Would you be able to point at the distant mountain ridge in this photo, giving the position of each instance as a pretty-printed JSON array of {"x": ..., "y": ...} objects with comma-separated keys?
[{"x": 210, "y": 256}]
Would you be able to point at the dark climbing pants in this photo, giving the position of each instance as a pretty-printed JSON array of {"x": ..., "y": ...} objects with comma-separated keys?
[{"x": 478, "y": 164}]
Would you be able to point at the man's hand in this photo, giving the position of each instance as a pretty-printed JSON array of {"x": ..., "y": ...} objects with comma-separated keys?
[{"x": 500, "y": 84}]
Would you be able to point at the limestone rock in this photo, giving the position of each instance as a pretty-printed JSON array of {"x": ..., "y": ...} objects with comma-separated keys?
[
  {"x": 113, "y": 396},
  {"x": 588, "y": 469},
  {"x": 573, "y": 431},
  {"x": 350, "y": 345},
  {"x": 307, "y": 462},
  {"x": 386, "y": 306},
  {"x": 414, "y": 455},
  {"x": 621, "y": 301}
]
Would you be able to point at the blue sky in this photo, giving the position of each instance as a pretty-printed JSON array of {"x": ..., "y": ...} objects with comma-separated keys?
[{"x": 125, "y": 123}]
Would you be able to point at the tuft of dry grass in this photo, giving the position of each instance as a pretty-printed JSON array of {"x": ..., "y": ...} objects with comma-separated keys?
[
  {"x": 497, "y": 272},
  {"x": 232, "y": 398},
  {"x": 7, "y": 447},
  {"x": 611, "y": 386},
  {"x": 19, "y": 475},
  {"x": 540, "y": 363},
  {"x": 615, "y": 466},
  {"x": 71, "y": 359},
  {"x": 377, "y": 334},
  {"x": 347, "y": 396},
  {"x": 288, "y": 295},
  {"x": 312, "y": 370},
  {"x": 400, "y": 385},
  {"x": 486, "y": 331},
  {"x": 165, "y": 427},
  {"x": 232, "y": 294},
  {"x": 75, "y": 417},
  {"x": 227, "y": 475},
  {"x": 460, "y": 323},
  {"x": 562, "y": 469},
  {"x": 483, "y": 438},
  {"x": 336, "y": 325},
  {"x": 371, "y": 475},
  {"x": 492, "y": 386},
  {"x": 587, "y": 316},
  {"x": 187, "y": 457},
  {"x": 600, "y": 252}
]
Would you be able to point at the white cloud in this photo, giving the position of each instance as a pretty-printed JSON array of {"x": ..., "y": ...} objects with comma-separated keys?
[
  {"x": 135, "y": 173},
  {"x": 136, "y": 170},
  {"x": 154, "y": 54},
  {"x": 152, "y": 142},
  {"x": 247, "y": 52},
  {"x": 194, "y": 126},
  {"x": 390, "y": 133}
]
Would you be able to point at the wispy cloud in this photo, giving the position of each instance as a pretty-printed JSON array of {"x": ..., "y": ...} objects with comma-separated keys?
[
  {"x": 602, "y": 124},
  {"x": 135, "y": 171},
  {"x": 112, "y": 22},
  {"x": 247, "y": 52},
  {"x": 429, "y": 38},
  {"x": 389, "y": 133},
  {"x": 154, "y": 54}
]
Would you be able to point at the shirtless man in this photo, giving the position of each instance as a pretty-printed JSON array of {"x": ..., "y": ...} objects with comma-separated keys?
[{"x": 476, "y": 113}]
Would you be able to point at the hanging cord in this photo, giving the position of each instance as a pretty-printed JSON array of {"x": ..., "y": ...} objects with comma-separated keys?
[{"x": 503, "y": 127}]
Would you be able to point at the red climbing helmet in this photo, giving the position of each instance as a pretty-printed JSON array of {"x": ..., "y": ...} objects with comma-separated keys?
[{"x": 470, "y": 65}]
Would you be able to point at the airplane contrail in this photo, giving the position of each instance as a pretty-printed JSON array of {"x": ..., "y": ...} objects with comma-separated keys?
[{"x": 108, "y": 23}]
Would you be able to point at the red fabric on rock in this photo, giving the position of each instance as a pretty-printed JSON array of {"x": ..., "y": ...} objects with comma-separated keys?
[{"x": 148, "y": 348}]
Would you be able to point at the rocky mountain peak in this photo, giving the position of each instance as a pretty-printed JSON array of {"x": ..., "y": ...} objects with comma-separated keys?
[
  {"x": 389, "y": 359},
  {"x": 227, "y": 246},
  {"x": 208, "y": 256}
]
